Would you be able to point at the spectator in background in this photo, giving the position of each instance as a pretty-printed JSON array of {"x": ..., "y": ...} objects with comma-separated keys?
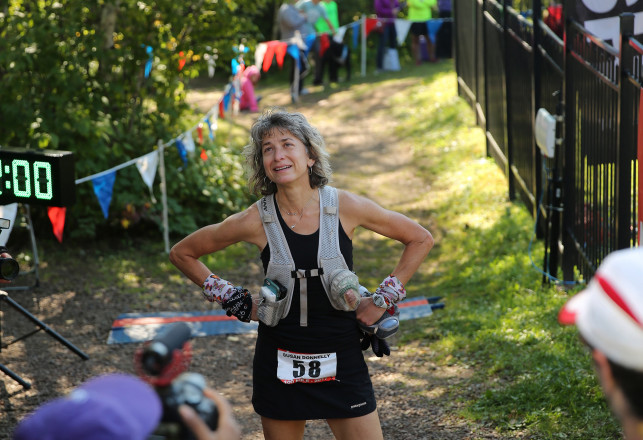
[
  {"x": 609, "y": 318},
  {"x": 313, "y": 11},
  {"x": 419, "y": 14},
  {"x": 291, "y": 22},
  {"x": 444, "y": 37},
  {"x": 322, "y": 28},
  {"x": 335, "y": 54},
  {"x": 249, "y": 78},
  {"x": 117, "y": 407},
  {"x": 444, "y": 8},
  {"x": 387, "y": 11}
]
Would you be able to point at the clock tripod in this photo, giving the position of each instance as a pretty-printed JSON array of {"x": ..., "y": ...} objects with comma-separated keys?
[
  {"x": 4, "y": 297},
  {"x": 26, "y": 214}
]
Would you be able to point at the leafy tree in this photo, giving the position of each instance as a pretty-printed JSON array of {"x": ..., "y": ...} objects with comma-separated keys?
[{"x": 73, "y": 76}]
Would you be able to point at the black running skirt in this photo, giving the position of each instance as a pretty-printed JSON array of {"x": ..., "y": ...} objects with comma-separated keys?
[{"x": 349, "y": 394}]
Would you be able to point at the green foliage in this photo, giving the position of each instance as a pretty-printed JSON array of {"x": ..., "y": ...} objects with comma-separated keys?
[
  {"x": 73, "y": 78},
  {"x": 214, "y": 185}
]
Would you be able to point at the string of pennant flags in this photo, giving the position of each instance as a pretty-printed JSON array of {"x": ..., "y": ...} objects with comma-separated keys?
[{"x": 266, "y": 52}]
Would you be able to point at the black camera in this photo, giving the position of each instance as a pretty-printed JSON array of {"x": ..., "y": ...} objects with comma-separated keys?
[
  {"x": 9, "y": 268},
  {"x": 162, "y": 362}
]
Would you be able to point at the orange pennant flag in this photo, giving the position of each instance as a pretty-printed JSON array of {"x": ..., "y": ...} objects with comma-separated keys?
[
  {"x": 280, "y": 53},
  {"x": 324, "y": 43},
  {"x": 181, "y": 60},
  {"x": 199, "y": 131},
  {"x": 204, "y": 154},
  {"x": 269, "y": 55},
  {"x": 372, "y": 23},
  {"x": 57, "y": 217}
]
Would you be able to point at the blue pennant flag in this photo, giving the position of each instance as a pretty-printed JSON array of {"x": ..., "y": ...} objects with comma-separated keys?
[
  {"x": 226, "y": 101},
  {"x": 150, "y": 58},
  {"x": 182, "y": 152},
  {"x": 293, "y": 51},
  {"x": 207, "y": 120},
  {"x": 103, "y": 187},
  {"x": 310, "y": 42},
  {"x": 355, "y": 27},
  {"x": 434, "y": 26},
  {"x": 235, "y": 66}
]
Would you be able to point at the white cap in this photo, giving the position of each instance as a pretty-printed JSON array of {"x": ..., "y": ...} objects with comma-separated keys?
[{"x": 609, "y": 311}]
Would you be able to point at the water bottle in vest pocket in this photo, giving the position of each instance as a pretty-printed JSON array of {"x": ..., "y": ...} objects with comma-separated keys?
[
  {"x": 341, "y": 281},
  {"x": 273, "y": 302}
]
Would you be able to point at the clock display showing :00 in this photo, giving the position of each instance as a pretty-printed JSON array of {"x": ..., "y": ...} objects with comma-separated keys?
[{"x": 21, "y": 181}]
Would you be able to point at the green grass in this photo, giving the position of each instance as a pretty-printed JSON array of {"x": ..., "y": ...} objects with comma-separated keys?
[{"x": 500, "y": 320}]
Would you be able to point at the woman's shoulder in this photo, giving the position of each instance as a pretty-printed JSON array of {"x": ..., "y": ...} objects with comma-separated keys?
[
  {"x": 245, "y": 220},
  {"x": 246, "y": 226},
  {"x": 250, "y": 214}
]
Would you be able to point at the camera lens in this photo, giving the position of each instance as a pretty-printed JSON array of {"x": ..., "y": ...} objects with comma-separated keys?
[{"x": 9, "y": 268}]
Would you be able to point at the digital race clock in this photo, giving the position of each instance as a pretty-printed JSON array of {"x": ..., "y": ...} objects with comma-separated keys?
[{"x": 42, "y": 177}]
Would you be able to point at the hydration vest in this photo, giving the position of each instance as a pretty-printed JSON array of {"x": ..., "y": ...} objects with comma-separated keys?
[{"x": 281, "y": 266}]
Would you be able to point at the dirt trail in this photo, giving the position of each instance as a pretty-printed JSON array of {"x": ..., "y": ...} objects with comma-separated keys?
[{"x": 416, "y": 398}]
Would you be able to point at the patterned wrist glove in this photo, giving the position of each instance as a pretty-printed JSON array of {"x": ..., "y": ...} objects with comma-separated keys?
[
  {"x": 217, "y": 289},
  {"x": 391, "y": 291},
  {"x": 239, "y": 304}
]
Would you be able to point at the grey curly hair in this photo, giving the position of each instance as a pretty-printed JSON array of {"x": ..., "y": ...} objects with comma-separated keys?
[{"x": 276, "y": 118}]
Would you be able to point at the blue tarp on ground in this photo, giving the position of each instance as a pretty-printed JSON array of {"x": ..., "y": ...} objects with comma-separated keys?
[{"x": 141, "y": 327}]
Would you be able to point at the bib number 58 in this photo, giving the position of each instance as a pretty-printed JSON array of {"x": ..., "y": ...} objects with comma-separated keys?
[
  {"x": 314, "y": 368},
  {"x": 306, "y": 367}
]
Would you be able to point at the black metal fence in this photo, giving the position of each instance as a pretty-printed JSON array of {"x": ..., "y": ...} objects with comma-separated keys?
[{"x": 586, "y": 198}]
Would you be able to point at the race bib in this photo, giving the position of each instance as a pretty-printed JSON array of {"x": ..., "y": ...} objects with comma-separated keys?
[{"x": 306, "y": 367}]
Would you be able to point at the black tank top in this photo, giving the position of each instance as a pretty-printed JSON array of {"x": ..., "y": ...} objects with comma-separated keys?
[{"x": 327, "y": 327}]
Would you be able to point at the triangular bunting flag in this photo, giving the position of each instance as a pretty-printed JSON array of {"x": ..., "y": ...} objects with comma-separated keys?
[
  {"x": 371, "y": 23},
  {"x": 280, "y": 53},
  {"x": 188, "y": 142},
  {"x": 260, "y": 53},
  {"x": 204, "y": 154},
  {"x": 150, "y": 59},
  {"x": 57, "y": 218},
  {"x": 356, "y": 28},
  {"x": 147, "y": 166},
  {"x": 310, "y": 42},
  {"x": 181, "y": 60},
  {"x": 182, "y": 153},
  {"x": 210, "y": 133},
  {"x": 234, "y": 64},
  {"x": 339, "y": 34},
  {"x": 324, "y": 43},
  {"x": 293, "y": 51},
  {"x": 402, "y": 29},
  {"x": 103, "y": 187},
  {"x": 269, "y": 55},
  {"x": 199, "y": 132},
  {"x": 434, "y": 26},
  {"x": 221, "y": 109}
]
